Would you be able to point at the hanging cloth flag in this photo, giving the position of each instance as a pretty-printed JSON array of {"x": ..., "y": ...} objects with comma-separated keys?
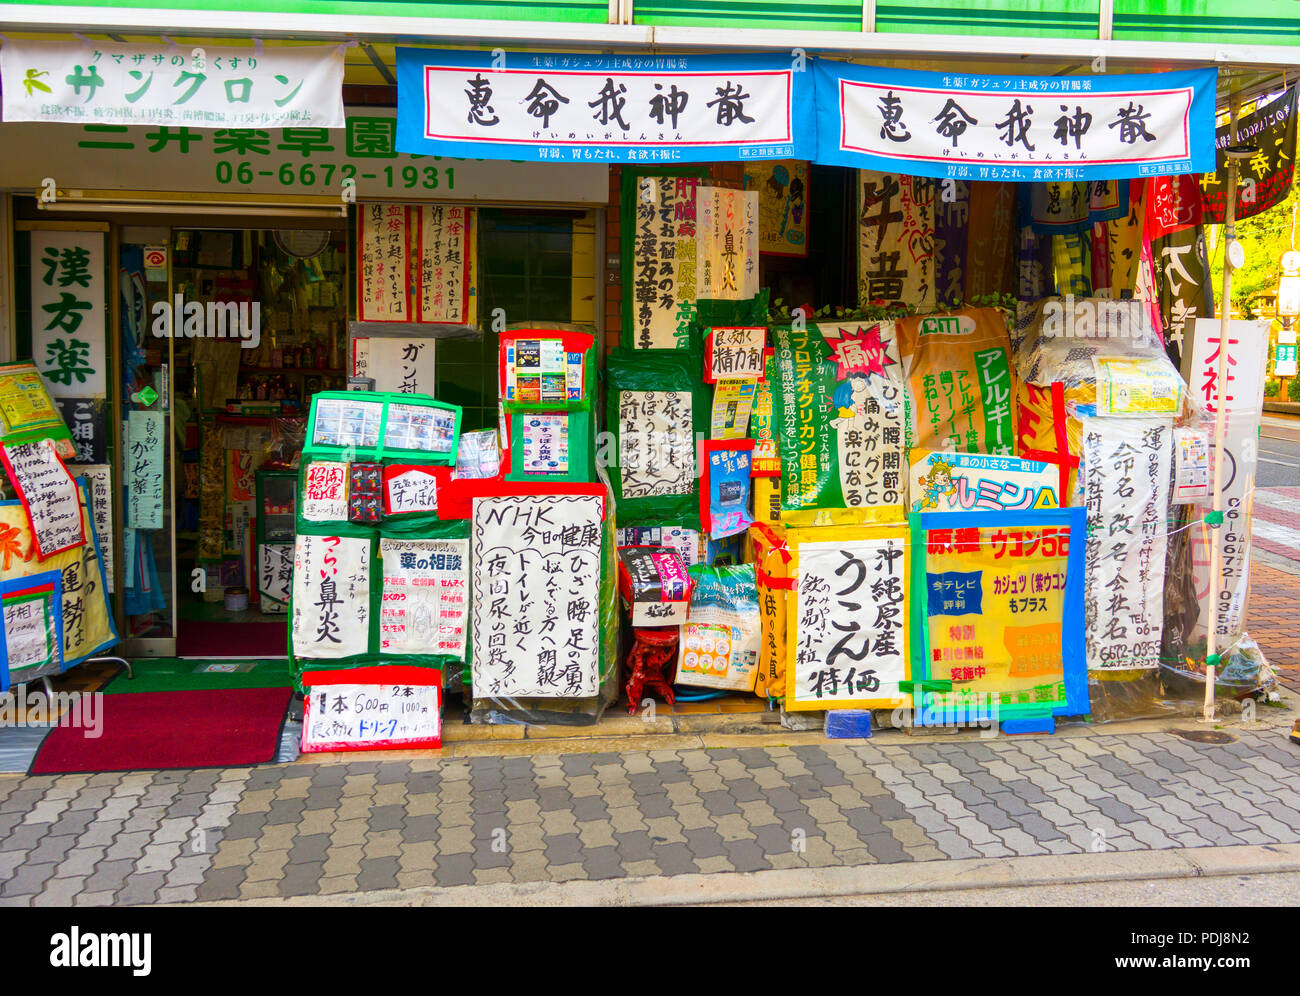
[
  {"x": 1184, "y": 286},
  {"x": 895, "y": 240},
  {"x": 1070, "y": 263},
  {"x": 1265, "y": 179},
  {"x": 951, "y": 220},
  {"x": 991, "y": 239},
  {"x": 1035, "y": 254},
  {"x": 1173, "y": 203},
  {"x": 1060, "y": 207}
]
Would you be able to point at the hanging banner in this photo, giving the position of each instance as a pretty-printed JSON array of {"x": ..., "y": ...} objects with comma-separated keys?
[
  {"x": 1126, "y": 463},
  {"x": 1265, "y": 178},
  {"x": 659, "y": 265},
  {"x": 425, "y": 604},
  {"x": 895, "y": 240},
  {"x": 383, "y": 294},
  {"x": 99, "y": 491},
  {"x": 87, "y": 422},
  {"x": 1243, "y": 398},
  {"x": 726, "y": 266},
  {"x": 839, "y": 413},
  {"x": 1184, "y": 287},
  {"x": 537, "y": 567},
  {"x": 847, "y": 618},
  {"x": 445, "y": 253},
  {"x": 558, "y": 107},
  {"x": 964, "y": 482},
  {"x": 1014, "y": 127},
  {"x": 325, "y": 492},
  {"x": 991, "y": 239},
  {"x": 331, "y": 597},
  {"x": 782, "y": 205},
  {"x": 136, "y": 84},
  {"x": 68, "y": 311},
  {"x": 49, "y": 494},
  {"x": 146, "y": 436},
  {"x": 951, "y": 222}
]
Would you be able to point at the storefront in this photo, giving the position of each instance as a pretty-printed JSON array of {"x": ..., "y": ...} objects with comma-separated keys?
[{"x": 845, "y": 382}]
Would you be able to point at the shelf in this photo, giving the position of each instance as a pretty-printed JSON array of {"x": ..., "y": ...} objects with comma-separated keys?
[{"x": 326, "y": 371}]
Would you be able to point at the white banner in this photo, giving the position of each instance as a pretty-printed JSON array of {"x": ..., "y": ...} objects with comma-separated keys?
[
  {"x": 663, "y": 262},
  {"x": 331, "y": 597},
  {"x": 1126, "y": 465},
  {"x": 536, "y": 596},
  {"x": 425, "y": 604},
  {"x": 194, "y": 87},
  {"x": 274, "y": 576},
  {"x": 726, "y": 266},
  {"x": 68, "y": 312}
]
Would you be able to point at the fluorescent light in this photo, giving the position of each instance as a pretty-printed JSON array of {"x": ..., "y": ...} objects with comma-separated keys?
[{"x": 225, "y": 208}]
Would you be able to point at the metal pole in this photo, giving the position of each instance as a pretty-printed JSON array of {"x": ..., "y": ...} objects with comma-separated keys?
[{"x": 1220, "y": 419}]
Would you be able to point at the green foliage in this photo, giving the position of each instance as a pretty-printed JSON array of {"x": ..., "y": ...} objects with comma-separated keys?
[
  {"x": 879, "y": 311},
  {"x": 1271, "y": 386},
  {"x": 1265, "y": 237},
  {"x": 1293, "y": 389}
]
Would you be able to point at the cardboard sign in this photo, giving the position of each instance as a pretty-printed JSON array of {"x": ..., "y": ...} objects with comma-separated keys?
[
  {"x": 425, "y": 603},
  {"x": 412, "y": 488},
  {"x": 49, "y": 493},
  {"x": 331, "y": 596},
  {"x": 371, "y": 708}
]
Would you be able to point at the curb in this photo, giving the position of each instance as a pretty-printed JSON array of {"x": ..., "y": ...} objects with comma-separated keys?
[{"x": 816, "y": 883}]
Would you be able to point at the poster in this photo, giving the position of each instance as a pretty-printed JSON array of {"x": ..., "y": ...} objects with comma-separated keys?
[
  {"x": 1021, "y": 128},
  {"x": 445, "y": 253},
  {"x": 965, "y": 482},
  {"x": 726, "y": 489},
  {"x": 384, "y": 291},
  {"x": 425, "y": 603},
  {"x": 1265, "y": 179},
  {"x": 69, "y": 310},
  {"x": 570, "y": 107},
  {"x": 146, "y": 439},
  {"x": 401, "y": 365},
  {"x": 782, "y": 205},
  {"x": 546, "y": 444},
  {"x": 733, "y": 403},
  {"x": 847, "y": 618},
  {"x": 661, "y": 276},
  {"x": 119, "y": 83},
  {"x": 1137, "y": 386},
  {"x": 25, "y": 403},
  {"x": 1243, "y": 408},
  {"x": 1126, "y": 481},
  {"x": 656, "y": 443},
  {"x": 99, "y": 491},
  {"x": 537, "y": 566},
  {"x": 895, "y": 240},
  {"x": 331, "y": 597},
  {"x": 736, "y": 353},
  {"x": 371, "y": 708},
  {"x": 49, "y": 494},
  {"x": 838, "y": 409},
  {"x": 727, "y": 248},
  {"x": 1001, "y": 614},
  {"x": 537, "y": 371},
  {"x": 411, "y": 488},
  {"x": 87, "y": 422},
  {"x": 325, "y": 492},
  {"x": 420, "y": 427},
  {"x": 274, "y": 576},
  {"x": 721, "y": 639}
]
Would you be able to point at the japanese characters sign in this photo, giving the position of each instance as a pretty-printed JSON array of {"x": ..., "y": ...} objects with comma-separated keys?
[
  {"x": 400, "y": 364},
  {"x": 99, "y": 491},
  {"x": 736, "y": 353},
  {"x": 442, "y": 291},
  {"x": 963, "y": 482},
  {"x": 1265, "y": 178},
  {"x": 87, "y": 422},
  {"x": 325, "y": 492},
  {"x": 782, "y": 205},
  {"x": 410, "y": 488},
  {"x": 146, "y": 438},
  {"x": 331, "y": 596},
  {"x": 895, "y": 240},
  {"x": 537, "y": 564},
  {"x": 724, "y": 494},
  {"x": 847, "y": 619},
  {"x": 654, "y": 584},
  {"x": 558, "y": 107},
  {"x": 219, "y": 87},
  {"x": 68, "y": 312},
  {"x": 29, "y": 634},
  {"x": 49, "y": 492},
  {"x": 545, "y": 443},
  {"x": 274, "y": 576},
  {"x": 25, "y": 403},
  {"x": 1019, "y": 128},
  {"x": 1126, "y": 469},
  {"x": 663, "y": 259},
  {"x": 385, "y": 291},
  {"x": 727, "y": 260},
  {"x": 838, "y": 413},
  {"x": 371, "y": 708},
  {"x": 656, "y": 443},
  {"x": 425, "y": 604}
]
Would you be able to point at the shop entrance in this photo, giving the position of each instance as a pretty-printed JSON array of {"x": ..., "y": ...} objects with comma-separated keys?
[{"x": 226, "y": 335}]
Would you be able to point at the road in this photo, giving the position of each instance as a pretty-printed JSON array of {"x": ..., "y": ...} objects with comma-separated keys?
[{"x": 1279, "y": 453}]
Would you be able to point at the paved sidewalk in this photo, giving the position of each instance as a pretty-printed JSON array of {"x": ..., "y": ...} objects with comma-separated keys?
[{"x": 306, "y": 829}]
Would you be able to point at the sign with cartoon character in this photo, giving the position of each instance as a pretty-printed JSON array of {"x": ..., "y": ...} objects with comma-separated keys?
[
  {"x": 839, "y": 402},
  {"x": 966, "y": 482}
]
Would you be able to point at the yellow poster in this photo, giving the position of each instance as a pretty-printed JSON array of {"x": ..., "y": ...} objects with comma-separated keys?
[{"x": 782, "y": 187}]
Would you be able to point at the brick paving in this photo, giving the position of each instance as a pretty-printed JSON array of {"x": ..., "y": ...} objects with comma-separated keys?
[{"x": 311, "y": 828}]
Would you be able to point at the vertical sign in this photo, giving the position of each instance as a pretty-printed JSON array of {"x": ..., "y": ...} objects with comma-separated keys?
[
  {"x": 895, "y": 240},
  {"x": 68, "y": 312},
  {"x": 663, "y": 257},
  {"x": 425, "y": 604},
  {"x": 727, "y": 264},
  {"x": 444, "y": 255},
  {"x": 381, "y": 247},
  {"x": 49, "y": 494},
  {"x": 656, "y": 443},
  {"x": 145, "y": 438},
  {"x": 536, "y": 596},
  {"x": 331, "y": 596},
  {"x": 99, "y": 488}
]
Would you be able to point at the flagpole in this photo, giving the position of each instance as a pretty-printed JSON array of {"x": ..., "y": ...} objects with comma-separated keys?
[{"x": 1220, "y": 418}]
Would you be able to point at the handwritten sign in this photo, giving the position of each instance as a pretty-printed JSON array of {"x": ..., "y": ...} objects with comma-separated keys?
[
  {"x": 537, "y": 570},
  {"x": 656, "y": 443},
  {"x": 146, "y": 438},
  {"x": 663, "y": 263},
  {"x": 727, "y": 262},
  {"x": 372, "y": 708},
  {"x": 410, "y": 488},
  {"x": 444, "y": 263},
  {"x": 325, "y": 492},
  {"x": 274, "y": 576},
  {"x": 545, "y": 444},
  {"x": 30, "y": 636},
  {"x": 49, "y": 493},
  {"x": 331, "y": 596},
  {"x": 383, "y": 295},
  {"x": 895, "y": 240},
  {"x": 401, "y": 365},
  {"x": 425, "y": 603},
  {"x": 68, "y": 311},
  {"x": 736, "y": 353},
  {"x": 848, "y": 619},
  {"x": 99, "y": 488}
]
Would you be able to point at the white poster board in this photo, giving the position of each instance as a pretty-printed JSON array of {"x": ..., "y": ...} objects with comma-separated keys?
[
  {"x": 727, "y": 263},
  {"x": 536, "y": 596},
  {"x": 69, "y": 310},
  {"x": 371, "y": 717},
  {"x": 331, "y": 596},
  {"x": 656, "y": 443},
  {"x": 425, "y": 603},
  {"x": 325, "y": 492},
  {"x": 50, "y": 494}
]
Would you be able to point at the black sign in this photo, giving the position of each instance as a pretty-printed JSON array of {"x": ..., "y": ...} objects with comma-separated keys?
[{"x": 1265, "y": 178}]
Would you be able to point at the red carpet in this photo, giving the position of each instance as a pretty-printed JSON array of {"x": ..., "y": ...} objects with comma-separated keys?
[
  {"x": 203, "y": 638},
  {"x": 223, "y": 728}
]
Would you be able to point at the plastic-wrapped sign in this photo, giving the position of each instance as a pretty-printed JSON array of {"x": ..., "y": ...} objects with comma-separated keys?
[
  {"x": 656, "y": 443},
  {"x": 49, "y": 492},
  {"x": 895, "y": 240},
  {"x": 274, "y": 576},
  {"x": 146, "y": 440},
  {"x": 325, "y": 492},
  {"x": 331, "y": 596},
  {"x": 847, "y": 618},
  {"x": 31, "y": 630},
  {"x": 724, "y": 497},
  {"x": 660, "y": 267},
  {"x": 721, "y": 639},
  {"x": 727, "y": 265},
  {"x": 537, "y": 565},
  {"x": 425, "y": 603},
  {"x": 964, "y": 482},
  {"x": 654, "y": 585},
  {"x": 99, "y": 481},
  {"x": 372, "y": 708},
  {"x": 1126, "y": 471}
]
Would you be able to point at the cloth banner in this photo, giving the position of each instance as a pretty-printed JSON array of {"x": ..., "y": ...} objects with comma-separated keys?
[
  {"x": 895, "y": 240},
  {"x": 660, "y": 264},
  {"x": 1264, "y": 180},
  {"x": 991, "y": 239}
]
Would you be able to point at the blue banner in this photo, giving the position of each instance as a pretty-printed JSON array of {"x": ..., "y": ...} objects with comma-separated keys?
[
  {"x": 562, "y": 108},
  {"x": 1022, "y": 128}
]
